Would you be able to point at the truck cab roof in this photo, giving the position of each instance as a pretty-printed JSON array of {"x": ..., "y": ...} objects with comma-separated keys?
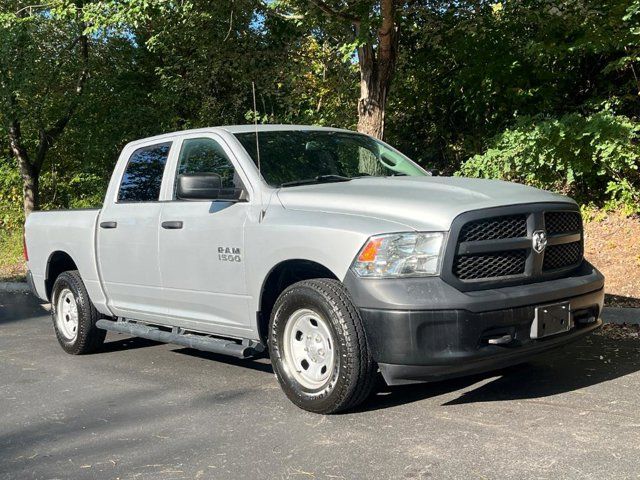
[{"x": 233, "y": 129}]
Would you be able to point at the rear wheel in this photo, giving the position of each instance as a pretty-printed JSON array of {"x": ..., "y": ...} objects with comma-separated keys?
[
  {"x": 318, "y": 347},
  {"x": 74, "y": 316}
]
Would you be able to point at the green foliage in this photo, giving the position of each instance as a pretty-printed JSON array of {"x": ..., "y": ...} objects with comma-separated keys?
[
  {"x": 11, "y": 212},
  {"x": 469, "y": 70},
  {"x": 39, "y": 67},
  {"x": 594, "y": 158},
  {"x": 319, "y": 87}
]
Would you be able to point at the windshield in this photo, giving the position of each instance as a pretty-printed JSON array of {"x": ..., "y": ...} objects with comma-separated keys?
[{"x": 299, "y": 157}]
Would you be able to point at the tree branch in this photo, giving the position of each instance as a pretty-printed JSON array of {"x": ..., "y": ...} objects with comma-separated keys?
[
  {"x": 48, "y": 136},
  {"x": 30, "y": 8},
  {"x": 15, "y": 144},
  {"x": 334, "y": 13}
]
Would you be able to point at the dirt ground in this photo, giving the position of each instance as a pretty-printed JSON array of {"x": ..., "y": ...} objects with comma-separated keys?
[
  {"x": 13, "y": 272},
  {"x": 612, "y": 244},
  {"x": 618, "y": 332}
]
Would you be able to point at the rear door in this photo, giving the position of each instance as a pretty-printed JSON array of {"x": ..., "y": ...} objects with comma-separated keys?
[
  {"x": 202, "y": 243},
  {"x": 128, "y": 236}
]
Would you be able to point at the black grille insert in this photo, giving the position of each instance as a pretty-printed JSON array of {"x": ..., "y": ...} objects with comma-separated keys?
[
  {"x": 496, "y": 228},
  {"x": 503, "y": 264},
  {"x": 562, "y": 256},
  {"x": 562, "y": 222}
]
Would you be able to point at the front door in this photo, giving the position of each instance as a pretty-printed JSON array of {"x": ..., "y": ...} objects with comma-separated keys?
[{"x": 202, "y": 245}]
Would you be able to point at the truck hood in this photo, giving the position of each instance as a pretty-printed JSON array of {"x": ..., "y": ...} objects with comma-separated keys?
[{"x": 420, "y": 203}]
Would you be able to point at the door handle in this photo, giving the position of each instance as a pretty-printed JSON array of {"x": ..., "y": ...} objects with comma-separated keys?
[
  {"x": 173, "y": 225},
  {"x": 108, "y": 224}
]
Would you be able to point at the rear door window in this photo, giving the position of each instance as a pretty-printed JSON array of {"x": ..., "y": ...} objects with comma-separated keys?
[{"x": 142, "y": 178}]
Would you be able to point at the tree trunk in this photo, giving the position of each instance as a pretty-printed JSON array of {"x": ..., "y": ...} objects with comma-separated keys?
[
  {"x": 377, "y": 68},
  {"x": 30, "y": 182},
  {"x": 371, "y": 107},
  {"x": 370, "y": 121},
  {"x": 30, "y": 188},
  {"x": 30, "y": 173}
]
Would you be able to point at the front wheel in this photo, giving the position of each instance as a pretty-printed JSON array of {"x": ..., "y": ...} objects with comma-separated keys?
[
  {"x": 318, "y": 347},
  {"x": 74, "y": 316}
]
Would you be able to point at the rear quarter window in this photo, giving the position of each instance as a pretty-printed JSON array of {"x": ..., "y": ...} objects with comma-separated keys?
[{"x": 142, "y": 178}]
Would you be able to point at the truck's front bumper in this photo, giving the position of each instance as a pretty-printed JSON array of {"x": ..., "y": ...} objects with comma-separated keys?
[{"x": 413, "y": 342}]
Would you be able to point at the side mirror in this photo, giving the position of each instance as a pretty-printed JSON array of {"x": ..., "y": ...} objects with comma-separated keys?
[{"x": 199, "y": 186}]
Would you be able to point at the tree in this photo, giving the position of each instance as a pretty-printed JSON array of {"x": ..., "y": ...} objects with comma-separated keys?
[
  {"x": 371, "y": 28},
  {"x": 44, "y": 66}
]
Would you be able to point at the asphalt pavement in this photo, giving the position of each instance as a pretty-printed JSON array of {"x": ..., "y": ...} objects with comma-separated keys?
[{"x": 143, "y": 410}]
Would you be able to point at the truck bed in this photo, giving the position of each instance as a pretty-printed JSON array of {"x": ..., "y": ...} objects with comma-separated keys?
[{"x": 70, "y": 231}]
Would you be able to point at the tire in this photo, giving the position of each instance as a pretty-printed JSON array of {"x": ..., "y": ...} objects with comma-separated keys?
[
  {"x": 74, "y": 316},
  {"x": 315, "y": 321}
]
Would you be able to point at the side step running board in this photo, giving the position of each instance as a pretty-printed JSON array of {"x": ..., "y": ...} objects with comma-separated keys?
[{"x": 246, "y": 349}]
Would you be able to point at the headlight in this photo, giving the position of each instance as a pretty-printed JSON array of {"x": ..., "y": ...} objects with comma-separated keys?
[{"x": 400, "y": 255}]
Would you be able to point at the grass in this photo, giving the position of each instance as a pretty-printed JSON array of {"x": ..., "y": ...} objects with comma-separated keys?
[{"x": 12, "y": 265}]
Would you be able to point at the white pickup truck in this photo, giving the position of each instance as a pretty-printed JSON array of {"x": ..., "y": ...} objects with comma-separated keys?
[{"x": 330, "y": 248}]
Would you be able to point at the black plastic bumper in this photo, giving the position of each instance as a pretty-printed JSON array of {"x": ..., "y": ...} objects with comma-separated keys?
[
  {"x": 490, "y": 359},
  {"x": 412, "y": 343}
]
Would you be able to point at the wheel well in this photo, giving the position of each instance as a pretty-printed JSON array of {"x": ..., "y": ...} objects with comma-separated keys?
[
  {"x": 58, "y": 262},
  {"x": 281, "y": 276}
]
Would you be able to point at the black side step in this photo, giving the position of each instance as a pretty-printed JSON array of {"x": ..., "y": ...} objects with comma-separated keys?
[{"x": 247, "y": 348}]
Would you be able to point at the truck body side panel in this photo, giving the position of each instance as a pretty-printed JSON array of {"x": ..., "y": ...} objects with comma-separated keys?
[
  {"x": 331, "y": 240},
  {"x": 72, "y": 232}
]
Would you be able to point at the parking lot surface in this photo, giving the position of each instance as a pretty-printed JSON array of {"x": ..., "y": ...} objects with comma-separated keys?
[{"x": 144, "y": 410}]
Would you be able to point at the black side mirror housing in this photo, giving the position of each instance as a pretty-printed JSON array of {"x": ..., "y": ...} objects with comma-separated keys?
[
  {"x": 199, "y": 186},
  {"x": 207, "y": 186}
]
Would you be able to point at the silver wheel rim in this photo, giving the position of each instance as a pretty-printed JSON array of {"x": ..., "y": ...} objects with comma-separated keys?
[
  {"x": 67, "y": 314},
  {"x": 309, "y": 348}
]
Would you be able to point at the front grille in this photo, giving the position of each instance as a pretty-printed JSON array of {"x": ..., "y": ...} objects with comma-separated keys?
[
  {"x": 472, "y": 267},
  {"x": 499, "y": 250},
  {"x": 562, "y": 256},
  {"x": 562, "y": 222},
  {"x": 495, "y": 228}
]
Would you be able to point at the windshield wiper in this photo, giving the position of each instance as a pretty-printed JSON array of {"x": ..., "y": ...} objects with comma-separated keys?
[{"x": 318, "y": 179}]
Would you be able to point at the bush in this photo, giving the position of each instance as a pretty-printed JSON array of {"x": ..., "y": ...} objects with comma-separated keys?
[
  {"x": 80, "y": 190},
  {"x": 593, "y": 158}
]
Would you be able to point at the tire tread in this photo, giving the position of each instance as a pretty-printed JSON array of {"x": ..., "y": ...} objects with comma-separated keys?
[
  {"x": 360, "y": 367},
  {"x": 90, "y": 338}
]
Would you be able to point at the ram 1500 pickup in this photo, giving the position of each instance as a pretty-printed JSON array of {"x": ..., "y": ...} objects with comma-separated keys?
[{"x": 329, "y": 248}]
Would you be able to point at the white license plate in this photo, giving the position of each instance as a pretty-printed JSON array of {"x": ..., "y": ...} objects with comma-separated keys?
[{"x": 551, "y": 320}]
